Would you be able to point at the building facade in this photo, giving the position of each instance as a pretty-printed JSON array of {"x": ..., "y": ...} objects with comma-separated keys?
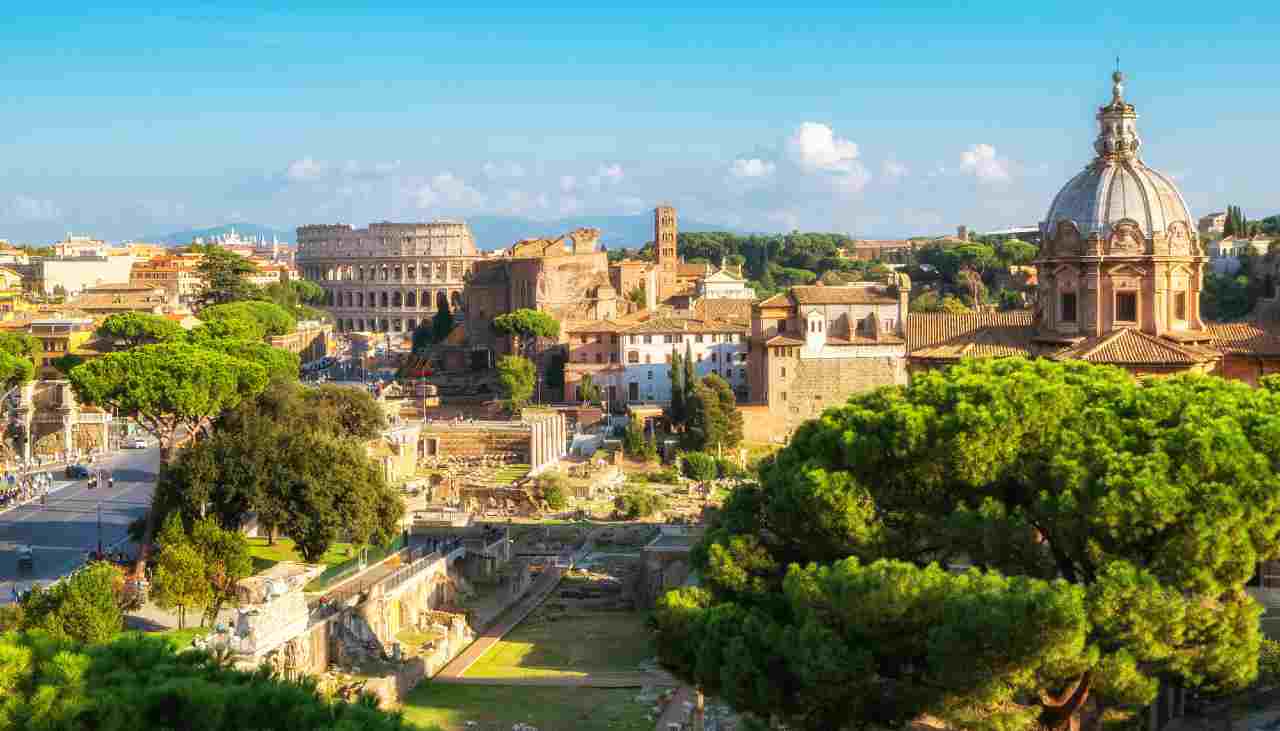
[
  {"x": 389, "y": 277},
  {"x": 175, "y": 273},
  {"x": 813, "y": 347},
  {"x": 630, "y": 360}
]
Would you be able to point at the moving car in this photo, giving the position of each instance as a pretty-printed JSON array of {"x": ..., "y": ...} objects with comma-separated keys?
[
  {"x": 77, "y": 472},
  {"x": 26, "y": 558},
  {"x": 136, "y": 443}
]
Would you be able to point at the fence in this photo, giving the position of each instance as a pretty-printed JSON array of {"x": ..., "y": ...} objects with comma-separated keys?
[{"x": 337, "y": 572}]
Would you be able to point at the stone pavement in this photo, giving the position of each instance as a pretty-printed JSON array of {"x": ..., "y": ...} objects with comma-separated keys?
[
  {"x": 679, "y": 710},
  {"x": 545, "y": 584}
]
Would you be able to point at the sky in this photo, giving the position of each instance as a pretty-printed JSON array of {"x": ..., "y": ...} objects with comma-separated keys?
[{"x": 875, "y": 120}]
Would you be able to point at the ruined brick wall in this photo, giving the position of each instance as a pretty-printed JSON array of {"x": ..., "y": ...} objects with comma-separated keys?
[
  {"x": 458, "y": 442},
  {"x": 814, "y": 385},
  {"x": 758, "y": 424}
]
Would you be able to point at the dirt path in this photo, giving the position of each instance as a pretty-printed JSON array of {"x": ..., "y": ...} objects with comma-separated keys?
[
  {"x": 544, "y": 585},
  {"x": 590, "y": 680},
  {"x": 676, "y": 712}
]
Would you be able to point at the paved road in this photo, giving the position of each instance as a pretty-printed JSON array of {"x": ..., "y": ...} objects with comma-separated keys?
[{"x": 67, "y": 526}]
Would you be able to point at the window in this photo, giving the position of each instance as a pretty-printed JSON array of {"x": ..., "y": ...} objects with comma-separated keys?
[
  {"x": 715, "y": 357},
  {"x": 697, "y": 338},
  {"x": 783, "y": 373},
  {"x": 783, "y": 395},
  {"x": 1127, "y": 306},
  {"x": 599, "y": 357},
  {"x": 742, "y": 373},
  {"x": 613, "y": 339},
  {"x": 668, "y": 338},
  {"x": 648, "y": 358},
  {"x": 1068, "y": 311},
  {"x": 613, "y": 357},
  {"x": 583, "y": 339},
  {"x": 649, "y": 375},
  {"x": 1180, "y": 306},
  {"x": 633, "y": 356}
]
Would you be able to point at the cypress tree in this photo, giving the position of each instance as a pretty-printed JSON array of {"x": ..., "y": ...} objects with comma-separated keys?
[
  {"x": 1229, "y": 226},
  {"x": 690, "y": 378},
  {"x": 677, "y": 388}
]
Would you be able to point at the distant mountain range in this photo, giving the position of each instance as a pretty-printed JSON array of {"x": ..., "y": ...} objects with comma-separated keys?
[{"x": 491, "y": 232}]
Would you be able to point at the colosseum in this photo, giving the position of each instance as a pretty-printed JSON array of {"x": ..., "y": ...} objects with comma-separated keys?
[{"x": 389, "y": 277}]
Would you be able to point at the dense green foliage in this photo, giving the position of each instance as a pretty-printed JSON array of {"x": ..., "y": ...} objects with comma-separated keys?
[
  {"x": 200, "y": 569},
  {"x": 17, "y": 358},
  {"x": 435, "y": 331},
  {"x": 224, "y": 276},
  {"x": 516, "y": 378},
  {"x": 1111, "y": 525},
  {"x": 588, "y": 391},
  {"x": 280, "y": 364},
  {"x": 638, "y": 501},
  {"x": 295, "y": 458},
  {"x": 271, "y": 319},
  {"x": 633, "y": 442},
  {"x": 713, "y": 421},
  {"x": 296, "y": 296},
  {"x": 700, "y": 466},
  {"x": 132, "y": 329},
  {"x": 525, "y": 326},
  {"x": 676, "y": 409},
  {"x": 82, "y": 607},
  {"x": 554, "y": 492},
  {"x": 138, "y": 682}
]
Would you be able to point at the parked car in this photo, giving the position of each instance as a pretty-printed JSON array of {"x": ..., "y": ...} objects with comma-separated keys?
[
  {"x": 136, "y": 443},
  {"x": 77, "y": 472}
]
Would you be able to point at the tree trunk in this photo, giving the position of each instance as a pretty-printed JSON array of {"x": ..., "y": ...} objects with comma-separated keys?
[{"x": 1062, "y": 713}]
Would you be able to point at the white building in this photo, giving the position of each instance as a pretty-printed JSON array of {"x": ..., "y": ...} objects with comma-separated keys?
[
  {"x": 633, "y": 363},
  {"x": 723, "y": 284}
]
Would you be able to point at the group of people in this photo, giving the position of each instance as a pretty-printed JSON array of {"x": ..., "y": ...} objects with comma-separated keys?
[{"x": 16, "y": 489}]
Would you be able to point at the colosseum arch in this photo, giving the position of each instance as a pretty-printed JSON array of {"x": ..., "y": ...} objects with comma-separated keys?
[
  {"x": 411, "y": 299},
  {"x": 384, "y": 300},
  {"x": 396, "y": 299},
  {"x": 442, "y": 300}
]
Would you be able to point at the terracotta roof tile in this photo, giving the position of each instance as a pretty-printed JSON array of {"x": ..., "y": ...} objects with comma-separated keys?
[
  {"x": 1128, "y": 346},
  {"x": 844, "y": 295},
  {"x": 728, "y": 310},
  {"x": 778, "y": 300},
  {"x": 783, "y": 340},
  {"x": 993, "y": 331},
  {"x": 1244, "y": 338},
  {"x": 680, "y": 324}
]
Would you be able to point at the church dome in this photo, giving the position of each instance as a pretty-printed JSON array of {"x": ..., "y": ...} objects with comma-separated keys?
[{"x": 1118, "y": 186}]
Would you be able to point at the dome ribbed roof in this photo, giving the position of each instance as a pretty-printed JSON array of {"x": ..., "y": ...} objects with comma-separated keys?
[
  {"x": 1111, "y": 191},
  {"x": 1117, "y": 185}
]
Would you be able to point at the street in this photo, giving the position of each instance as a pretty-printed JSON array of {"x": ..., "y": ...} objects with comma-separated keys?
[{"x": 62, "y": 530}]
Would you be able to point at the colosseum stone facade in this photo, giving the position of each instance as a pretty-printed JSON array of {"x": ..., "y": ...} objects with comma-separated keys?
[{"x": 389, "y": 277}]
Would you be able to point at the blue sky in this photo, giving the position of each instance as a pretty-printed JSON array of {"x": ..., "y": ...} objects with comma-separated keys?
[{"x": 882, "y": 120}]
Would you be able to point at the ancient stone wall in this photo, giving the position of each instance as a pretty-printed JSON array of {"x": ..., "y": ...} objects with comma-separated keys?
[
  {"x": 463, "y": 442},
  {"x": 819, "y": 384}
]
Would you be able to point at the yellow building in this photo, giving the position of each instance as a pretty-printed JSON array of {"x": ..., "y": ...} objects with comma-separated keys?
[
  {"x": 12, "y": 299},
  {"x": 58, "y": 337}
]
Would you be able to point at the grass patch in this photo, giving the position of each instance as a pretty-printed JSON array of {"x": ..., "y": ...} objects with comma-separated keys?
[
  {"x": 265, "y": 556},
  {"x": 498, "y": 708},
  {"x": 179, "y": 639},
  {"x": 508, "y": 474},
  {"x": 575, "y": 644}
]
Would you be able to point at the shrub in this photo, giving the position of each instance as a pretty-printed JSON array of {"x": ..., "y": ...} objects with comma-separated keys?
[
  {"x": 700, "y": 466},
  {"x": 554, "y": 493},
  {"x": 639, "y": 502},
  {"x": 1269, "y": 663},
  {"x": 728, "y": 468}
]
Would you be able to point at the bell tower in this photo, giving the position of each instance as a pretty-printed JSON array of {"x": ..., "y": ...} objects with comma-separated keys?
[{"x": 665, "y": 252}]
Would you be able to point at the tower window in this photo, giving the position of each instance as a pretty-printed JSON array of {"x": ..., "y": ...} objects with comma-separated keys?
[
  {"x": 1068, "y": 312},
  {"x": 1127, "y": 306},
  {"x": 1180, "y": 306}
]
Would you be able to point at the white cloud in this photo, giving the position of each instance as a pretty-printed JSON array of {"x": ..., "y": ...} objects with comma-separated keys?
[
  {"x": 569, "y": 205},
  {"x": 519, "y": 202},
  {"x": 816, "y": 149},
  {"x": 894, "y": 170},
  {"x": 447, "y": 189},
  {"x": 751, "y": 168},
  {"x": 305, "y": 169},
  {"x": 503, "y": 170},
  {"x": 26, "y": 208},
  {"x": 568, "y": 183},
  {"x": 981, "y": 161},
  {"x": 632, "y": 205}
]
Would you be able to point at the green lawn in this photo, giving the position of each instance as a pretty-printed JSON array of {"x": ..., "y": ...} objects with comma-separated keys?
[
  {"x": 265, "y": 556},
  {"x": 576, "y": 644},
  {"x": 179, "y": 638},
  {"x": 497, "y": 708},
  {"x": 510, "y": 473}
]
